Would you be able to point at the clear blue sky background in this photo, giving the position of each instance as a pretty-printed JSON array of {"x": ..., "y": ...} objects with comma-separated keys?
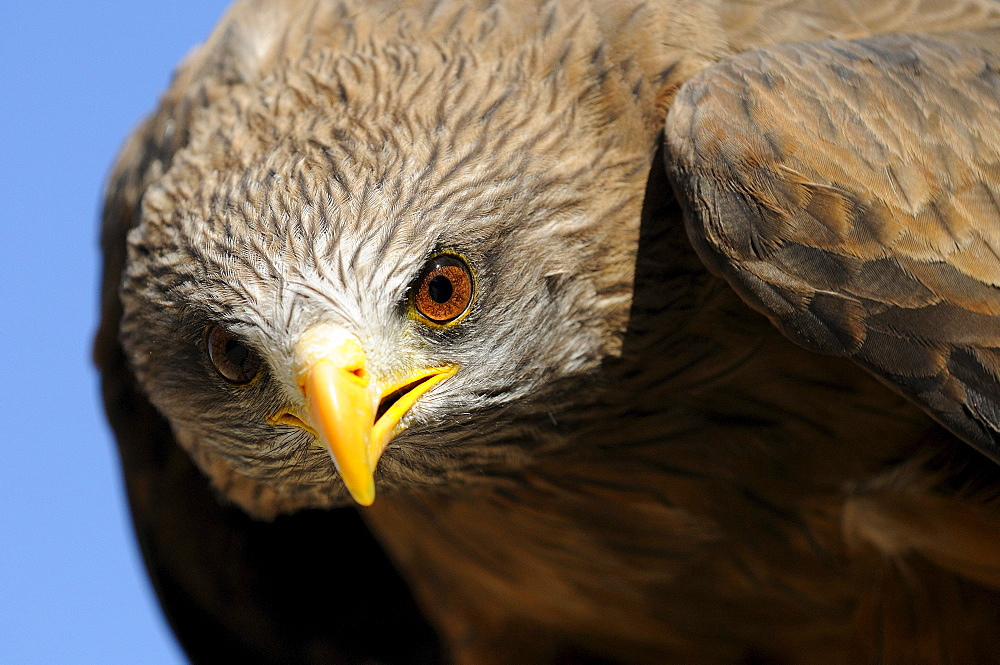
[{"x": 75, "y": 77}]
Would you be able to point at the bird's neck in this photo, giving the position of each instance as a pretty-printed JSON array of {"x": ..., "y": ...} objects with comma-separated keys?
[
  {"x": 666, "y": 520},
  {"x": 714, "y": 447},
  {"x": 718, "y": 449}
]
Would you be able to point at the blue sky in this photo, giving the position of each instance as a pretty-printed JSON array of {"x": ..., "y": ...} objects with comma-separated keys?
[{"x": 75, "y": 78}]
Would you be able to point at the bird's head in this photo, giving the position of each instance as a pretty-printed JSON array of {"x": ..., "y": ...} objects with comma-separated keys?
[{"x": 341, "y": 262}]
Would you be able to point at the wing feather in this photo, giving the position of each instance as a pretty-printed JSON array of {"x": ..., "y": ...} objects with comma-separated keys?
[{"x": 850, "y": 191}]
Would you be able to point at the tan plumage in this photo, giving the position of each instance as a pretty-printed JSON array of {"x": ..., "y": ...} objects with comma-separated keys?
[{"x": 629, "y": 464}]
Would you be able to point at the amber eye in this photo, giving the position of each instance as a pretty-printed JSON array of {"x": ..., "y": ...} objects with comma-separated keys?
[
  {"x": 444, "y": 289},
  {"x": 234, "y": 360}
]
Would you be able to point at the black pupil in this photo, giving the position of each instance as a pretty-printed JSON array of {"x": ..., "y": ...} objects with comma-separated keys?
[
  {"x": 439, "y": 289},
  {"x": 237, "y": 352}
]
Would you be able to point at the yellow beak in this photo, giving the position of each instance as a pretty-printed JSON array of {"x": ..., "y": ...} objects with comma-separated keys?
[{"x": 351, "y": 414}]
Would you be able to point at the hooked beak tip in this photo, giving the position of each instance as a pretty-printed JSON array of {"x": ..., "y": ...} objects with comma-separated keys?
[{"x": 353, "y": 417}]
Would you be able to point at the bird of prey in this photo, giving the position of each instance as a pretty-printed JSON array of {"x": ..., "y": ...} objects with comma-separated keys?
[{"x": 579, "y": 331}]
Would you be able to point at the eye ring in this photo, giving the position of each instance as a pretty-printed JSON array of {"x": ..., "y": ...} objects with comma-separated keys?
[
  {"x": 233, "y": 359},
  {"x": 444, "y": 290}
]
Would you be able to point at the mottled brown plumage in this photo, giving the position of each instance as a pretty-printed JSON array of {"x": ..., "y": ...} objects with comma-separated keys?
[{"x": 629, "y": 464}]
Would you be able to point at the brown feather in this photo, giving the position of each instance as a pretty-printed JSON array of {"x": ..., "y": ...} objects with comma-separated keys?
[{"x": 643, "y": 470}]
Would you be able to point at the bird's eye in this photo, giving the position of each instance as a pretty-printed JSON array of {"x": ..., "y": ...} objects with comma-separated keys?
[
  {"x": 233, "y": 359},
  {"x": 444, "y": 290}
]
